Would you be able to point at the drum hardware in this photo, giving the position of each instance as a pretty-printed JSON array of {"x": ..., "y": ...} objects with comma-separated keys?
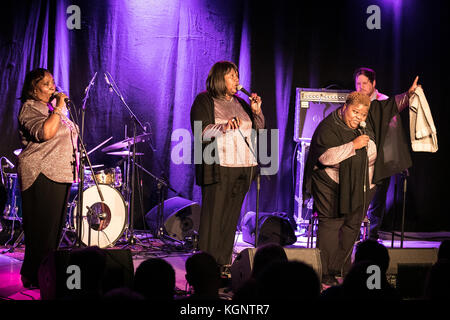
[
  {"x": 129, "y": 142},
  {"x": 124, "y": 153},
  {"x": 126, "y": 143},
  {"x": 160, "y": 231}
]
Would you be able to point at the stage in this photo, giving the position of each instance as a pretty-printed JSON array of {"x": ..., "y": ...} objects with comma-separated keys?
[{"x": 10, "y": 262}]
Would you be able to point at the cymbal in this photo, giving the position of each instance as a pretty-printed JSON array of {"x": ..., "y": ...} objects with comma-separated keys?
[
  {"x": 124, "y": 153},
  {"x": 127, "y": 142}
]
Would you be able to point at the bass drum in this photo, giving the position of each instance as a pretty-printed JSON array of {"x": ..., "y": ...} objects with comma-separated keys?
[{"x": 103, "y": 223}]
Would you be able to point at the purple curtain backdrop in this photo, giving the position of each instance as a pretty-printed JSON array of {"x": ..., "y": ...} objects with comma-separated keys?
[{"x": 159, "y": 54}]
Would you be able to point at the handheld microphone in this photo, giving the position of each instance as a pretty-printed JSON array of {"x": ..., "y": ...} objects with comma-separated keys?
[
  {"x": 241, "y": 88},
  {"x": 9, "y": 164},
  {"x": 109, "y": 83},
  {"x": 362, "y": 126},
  {"x": 66, "y": 100}
]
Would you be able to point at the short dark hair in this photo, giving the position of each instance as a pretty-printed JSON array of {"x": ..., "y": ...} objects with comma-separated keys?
[
  {"x": 215, "y": 83},
  {"x": 369, "y": 73},
  {"x": 357, "y": 98},
  {"x": 29, "y": 84}
]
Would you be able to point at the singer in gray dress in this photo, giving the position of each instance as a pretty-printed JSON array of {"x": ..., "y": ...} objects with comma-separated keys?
[{"x": 46, "y": 168}]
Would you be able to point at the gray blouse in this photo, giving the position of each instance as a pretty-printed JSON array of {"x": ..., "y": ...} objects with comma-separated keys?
[{"x": 56, "y": 157}]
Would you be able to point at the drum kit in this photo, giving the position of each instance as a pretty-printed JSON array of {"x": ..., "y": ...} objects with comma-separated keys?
[{"x": 101, "y": 205}]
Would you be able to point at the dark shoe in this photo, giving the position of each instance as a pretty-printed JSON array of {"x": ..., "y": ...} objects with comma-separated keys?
[{"x": 29, "y": 284}]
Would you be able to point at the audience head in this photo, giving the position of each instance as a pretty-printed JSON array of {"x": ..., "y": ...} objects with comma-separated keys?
[
  {"x": 92, "y": 263},
  {"x": 155, "y": 279},
  {"x": 265, "y": 255},
  {"x": 289, "y": 280},
  {"x": 203, "y": 274},
  {"x": 438, "y": 281},
  {"x": 376, "y": 253}
]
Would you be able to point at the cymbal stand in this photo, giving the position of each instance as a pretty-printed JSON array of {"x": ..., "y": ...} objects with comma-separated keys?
[
  {"x": 160, "y": 231},
  {"x": 129, "y": 233}
]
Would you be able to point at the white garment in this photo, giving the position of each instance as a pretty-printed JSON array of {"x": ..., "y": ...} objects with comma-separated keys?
[{"x": 422, "y": 130}]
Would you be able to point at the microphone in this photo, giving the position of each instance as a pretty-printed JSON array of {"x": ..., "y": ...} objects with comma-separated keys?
[
  {"x": 241, "y": 88},
  {"x": 90, "y": 83},
  {"x": 109, "y": 83},
  {"x": 66, "y": 100},
  {"x": 362, "y": 126},
  {"x": 9, "y": 164}
]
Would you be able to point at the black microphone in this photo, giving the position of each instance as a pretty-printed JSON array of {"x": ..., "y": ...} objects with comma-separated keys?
[
  {"x": 109, "y": 83},
  {"x": 241, "y": 88},
  {"x": 66, "y": 100}
]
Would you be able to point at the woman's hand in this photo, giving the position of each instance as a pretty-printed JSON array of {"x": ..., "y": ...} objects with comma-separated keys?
[
  {"x": 414, "y": 86},
  {"x": 233, "y": 123},
  {"x": 361, "y": 141},
  {"x": 255, "y": 103},
  {"x": 60, "y": 103}
]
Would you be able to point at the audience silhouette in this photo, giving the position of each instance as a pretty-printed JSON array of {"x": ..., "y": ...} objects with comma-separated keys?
[
  {"x": 203, "y": 274},
  {"x": 438, "y": 280},
  {"x": 265, "y": 255},
  {"x": 367, "y": 276},
  {"x": 155, "y": 279}
]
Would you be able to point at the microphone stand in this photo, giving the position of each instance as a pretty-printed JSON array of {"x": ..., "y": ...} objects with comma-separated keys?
[
  {"x": 258, "y": 184},
  {"x": 83, "y": 157}
]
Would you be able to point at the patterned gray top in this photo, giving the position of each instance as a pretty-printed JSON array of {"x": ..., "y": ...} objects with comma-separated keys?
[{"x": 55, "y": 158}]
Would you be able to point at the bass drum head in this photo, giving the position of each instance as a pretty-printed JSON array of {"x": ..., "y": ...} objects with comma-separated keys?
[{"x": 105, "y": 221}]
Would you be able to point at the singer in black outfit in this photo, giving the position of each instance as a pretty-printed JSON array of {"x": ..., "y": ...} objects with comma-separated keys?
[
  {"x": 344, "y": 164},
  {"x": 222, "y": 124},
  {"x": 46, "y": 168}
]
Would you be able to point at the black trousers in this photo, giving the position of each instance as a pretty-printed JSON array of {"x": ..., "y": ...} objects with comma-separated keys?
[
  {"x": 377, "y": 208},
  {"x": 44, "y": 207},
  {"x": 221, "y": 208},
  {"x": 336, "y": 237}
]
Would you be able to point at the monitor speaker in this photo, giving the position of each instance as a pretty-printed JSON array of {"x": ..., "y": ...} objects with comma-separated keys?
[
  {"x": 181, "y": 218},
  {"x": 242, "y": 266}
]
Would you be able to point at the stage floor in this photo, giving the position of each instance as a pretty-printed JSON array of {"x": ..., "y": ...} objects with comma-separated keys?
[{"x": 10, "y": 262}]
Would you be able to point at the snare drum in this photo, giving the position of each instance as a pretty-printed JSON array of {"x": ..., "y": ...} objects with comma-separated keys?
[
  {"x": 105, "y": 221},
  {"x": 110, "y": 176}
]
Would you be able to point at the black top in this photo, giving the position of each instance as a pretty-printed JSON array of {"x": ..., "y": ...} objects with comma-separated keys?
[{"x": 392, "y": 156}]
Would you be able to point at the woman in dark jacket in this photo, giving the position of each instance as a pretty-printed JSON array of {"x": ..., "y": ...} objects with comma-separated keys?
[{"x": 225, "y": 165}]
